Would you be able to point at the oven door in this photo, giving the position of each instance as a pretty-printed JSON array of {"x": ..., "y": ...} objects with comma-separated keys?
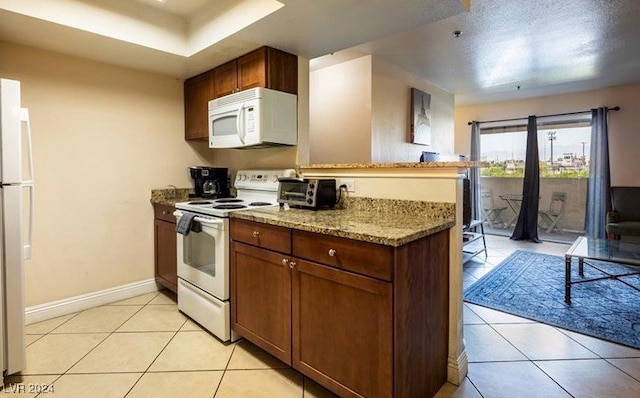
[{"x": 203, "y": 257}]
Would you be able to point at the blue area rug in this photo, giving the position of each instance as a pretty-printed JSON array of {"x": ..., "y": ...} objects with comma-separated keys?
[{"x": 531, "y": 285}]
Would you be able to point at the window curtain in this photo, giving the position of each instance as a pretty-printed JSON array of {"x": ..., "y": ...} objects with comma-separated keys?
[
  {"x": 599, "y": 186},
  {"x": 474, "y": 175},
  {"x": 527, "y": 226}
]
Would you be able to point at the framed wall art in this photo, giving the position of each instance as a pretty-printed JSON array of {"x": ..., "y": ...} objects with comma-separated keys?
[{"x": 420, "y": 117}]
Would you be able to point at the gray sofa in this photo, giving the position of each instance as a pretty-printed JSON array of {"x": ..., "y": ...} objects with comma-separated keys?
[{"x": 624, "y": 219}]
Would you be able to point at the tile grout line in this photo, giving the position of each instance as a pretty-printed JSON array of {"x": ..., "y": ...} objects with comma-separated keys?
[
  {"x": 97, "y": 345},
  {"x": 224, "y": 372},
  {"x": 144, "y": 372},
  {"x": 620, "y": 369}
]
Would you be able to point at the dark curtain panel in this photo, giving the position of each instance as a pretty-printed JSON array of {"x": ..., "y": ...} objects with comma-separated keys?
[
  {"x": 527, "y": 226},
  {"x": 599, "y": 188},
  {"x": 474, "y": 173}
]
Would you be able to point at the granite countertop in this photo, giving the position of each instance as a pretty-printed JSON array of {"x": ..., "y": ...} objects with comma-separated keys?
[
  {"x": 170, "y": 196},
  {"x": 401, "y": 165},
  {"x": 383, "y": 221}
]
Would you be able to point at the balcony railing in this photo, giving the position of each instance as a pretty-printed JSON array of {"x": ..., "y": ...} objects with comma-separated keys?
[{"x": 571, "y": 223}]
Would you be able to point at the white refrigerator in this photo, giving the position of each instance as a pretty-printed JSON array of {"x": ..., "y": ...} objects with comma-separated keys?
[{"x": 16, "y": 181}]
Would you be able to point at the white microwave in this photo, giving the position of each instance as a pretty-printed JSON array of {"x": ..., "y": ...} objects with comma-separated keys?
[{"x": 253, "y": 118}]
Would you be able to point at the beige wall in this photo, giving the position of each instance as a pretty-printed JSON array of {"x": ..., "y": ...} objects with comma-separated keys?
[
  {"x": 340, "y": 120},
  {"x": 103, "y": 137},
  {"x": 390, "y": 124},
  {"x": 360, "y": 113},
  {"x": 624, "y": 140}
]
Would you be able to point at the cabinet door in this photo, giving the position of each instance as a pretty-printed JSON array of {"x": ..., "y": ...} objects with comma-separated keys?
[
  {"x": 252, "y": 69},
  {"x": 282, "y": 71},
  {"x": 342, "y": 330},
  {"x": 165, "y": 254},
  {"x": 261, "y": 298},
  {"x": 198, "y": 91},
  {"x": 225, "y": 79}
]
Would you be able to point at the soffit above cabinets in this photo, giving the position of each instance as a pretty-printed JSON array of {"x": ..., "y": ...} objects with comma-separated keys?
[
  {"x": 185, "y": 37},
  {"x": 506, "y": 49}
]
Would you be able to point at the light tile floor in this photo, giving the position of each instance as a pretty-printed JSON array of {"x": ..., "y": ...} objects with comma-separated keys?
[
  {"x": 144, "y": 347},
  {"x": 511, "y": 356}
]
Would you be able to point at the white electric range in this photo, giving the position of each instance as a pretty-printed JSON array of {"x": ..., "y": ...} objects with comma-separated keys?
[{"x": 203, "y": 256}]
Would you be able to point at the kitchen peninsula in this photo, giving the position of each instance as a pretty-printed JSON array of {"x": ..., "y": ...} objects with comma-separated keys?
[
  {"x": 391, "y": 208},
  {"x": 439, "y": 182},
  {"x": 356, "y": 298}
]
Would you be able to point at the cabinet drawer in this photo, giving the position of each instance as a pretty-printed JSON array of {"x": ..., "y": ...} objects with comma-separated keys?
[
  {"x": 364, "y": 258},
  {"x": 267, "y": 236},
  {"x": 164, "y": 212}
]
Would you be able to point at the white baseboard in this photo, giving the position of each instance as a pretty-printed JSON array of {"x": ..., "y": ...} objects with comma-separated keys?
[
  {"x": 42, "y": 312},
  {"x": 457, "y": 369}
]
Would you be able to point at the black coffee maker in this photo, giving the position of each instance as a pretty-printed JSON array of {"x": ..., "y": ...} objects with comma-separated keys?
[{"x": 209, "y": 182}]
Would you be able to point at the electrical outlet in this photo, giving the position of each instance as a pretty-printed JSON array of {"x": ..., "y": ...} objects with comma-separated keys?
[{"x": 351, "y": 184}]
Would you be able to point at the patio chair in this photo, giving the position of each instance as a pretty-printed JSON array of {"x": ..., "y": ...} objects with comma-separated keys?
[
  {"x": 490, "y": 213},
  {"x": 624, "y": 219},
  {"x": 549, "y": 218}
]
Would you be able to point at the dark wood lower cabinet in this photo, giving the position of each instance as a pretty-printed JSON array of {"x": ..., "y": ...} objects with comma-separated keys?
[
  {"x": 261, "y": 297},
  {"x": 342, "y": 329},
  {"x": 381, "y": 334},
  {"x": 165, "y": 249}
]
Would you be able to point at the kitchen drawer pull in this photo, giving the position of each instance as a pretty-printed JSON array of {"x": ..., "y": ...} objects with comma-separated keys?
[
  {"x": 284, "y": 261},
  {"x": 164, "y": 212},
  {"x": 332, "y": 252},
  {"x": 292, "y": 264},
  {"x": 256, "y": 234}
]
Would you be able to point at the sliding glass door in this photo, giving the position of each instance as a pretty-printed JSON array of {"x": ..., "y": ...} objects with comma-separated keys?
[{"x": 564, "y": 168}]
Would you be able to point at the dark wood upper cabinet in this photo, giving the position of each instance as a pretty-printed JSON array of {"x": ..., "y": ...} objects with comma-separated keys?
[
  {"x": 198, "y": 91},
  {"x": 225, "y": 79},
  {"x": 264, "y": 67}
]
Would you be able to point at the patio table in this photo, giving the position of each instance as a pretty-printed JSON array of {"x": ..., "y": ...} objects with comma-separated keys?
[{"x": 514, "y": 201}]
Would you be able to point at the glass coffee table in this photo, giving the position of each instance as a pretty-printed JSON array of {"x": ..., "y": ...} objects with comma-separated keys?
[{"x": 613, "y": 251}]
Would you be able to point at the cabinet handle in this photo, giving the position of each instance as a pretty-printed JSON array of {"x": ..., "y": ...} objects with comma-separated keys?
[
  {"x": 332, "y": 252},
  {"x": 164, "y": 213},
  {"x": 285, "y": 261},
  {"x": 292, "y": 264},
  {"x": 256, "y": 234}
]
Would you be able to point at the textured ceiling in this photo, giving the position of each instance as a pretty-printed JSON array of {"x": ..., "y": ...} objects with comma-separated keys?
[
  {"x": 543, "y": 47},
  {"x": 507, "y": 49}
]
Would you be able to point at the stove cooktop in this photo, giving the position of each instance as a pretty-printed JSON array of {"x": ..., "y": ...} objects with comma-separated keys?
[
  {"x": 255, "y": 188},
  {"x": 222, "y": 207}
]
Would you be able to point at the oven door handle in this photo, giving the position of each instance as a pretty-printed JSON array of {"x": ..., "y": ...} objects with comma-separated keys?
[{"x": 207, "y": 221}]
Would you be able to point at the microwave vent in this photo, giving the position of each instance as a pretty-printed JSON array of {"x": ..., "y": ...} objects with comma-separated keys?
[{"x": 234, "y": 98}]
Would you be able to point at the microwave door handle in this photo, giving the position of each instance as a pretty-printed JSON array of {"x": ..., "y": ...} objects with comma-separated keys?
[{"x": 240, "y": 124}]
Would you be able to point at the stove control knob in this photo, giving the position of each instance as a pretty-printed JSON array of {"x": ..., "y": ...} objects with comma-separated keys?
[
  {"x": 309, "y": 201},
  {"x": 242, "y": 177}
]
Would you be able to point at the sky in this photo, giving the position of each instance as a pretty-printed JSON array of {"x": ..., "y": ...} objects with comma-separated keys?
[{"x": 507, "y": 146}]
